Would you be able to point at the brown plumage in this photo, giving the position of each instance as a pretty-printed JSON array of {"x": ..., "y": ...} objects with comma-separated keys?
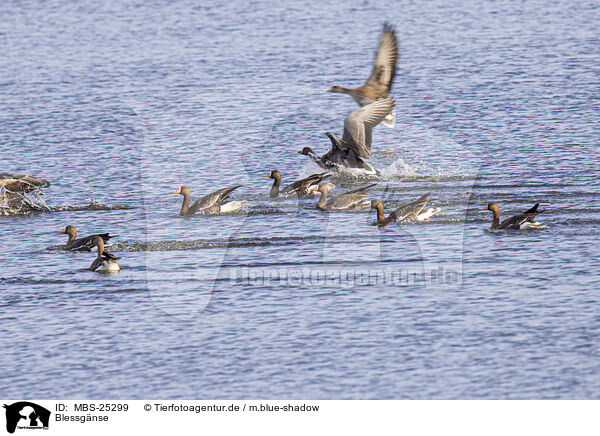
[
  {"x": 21, "y": 183},
  {"x": 355, "y": 144},
  {"x": 409, "y": 211},
  {"x": 109, "y": 262},
  {"x": 299, "y": 187},
  {"x": 514, "y": 222},
  {"x": 210, "y": 203},
  {"x": 82, "y": 244},
  {"x": 348, "y": 200},
  {"x": 380, "y": 82}
]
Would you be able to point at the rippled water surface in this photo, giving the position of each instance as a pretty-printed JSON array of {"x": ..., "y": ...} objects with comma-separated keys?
[{"x": 119, "y": 103}]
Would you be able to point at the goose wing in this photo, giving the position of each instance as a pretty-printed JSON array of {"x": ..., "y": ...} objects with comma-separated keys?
[
  {"x": 515, "y": 222},
  {"x": 212, "y": 199},
  {"x": 384, "y": 69},
  {"x": 97, "y": 263},
  {"x": 108, "y": 256},
  {"x": 361, "y": 190},
  {"x": 22, "y": 182},
  {"x": 350, "y": 198},
  {"x": 358, "y": 126},
  {"x": 410, "y": 210},
  {"x": 533, "y": 209},
  {"x": 301, "y": 186},
  {"x": 346, "y": 201},
  {"x": 86, "y": 243}
]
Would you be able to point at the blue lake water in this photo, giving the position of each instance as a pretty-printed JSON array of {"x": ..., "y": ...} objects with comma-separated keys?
[{"x": 119, "y": 103}]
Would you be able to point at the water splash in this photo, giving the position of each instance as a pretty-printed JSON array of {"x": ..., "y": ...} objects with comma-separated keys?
[{"x": 17, "y": 204}]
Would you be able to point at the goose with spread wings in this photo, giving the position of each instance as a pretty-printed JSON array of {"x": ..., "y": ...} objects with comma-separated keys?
[
  {"x": 354, "y": 146},
  {"x": 21, "y": 183},
  {"x": 380, "y": 81}
]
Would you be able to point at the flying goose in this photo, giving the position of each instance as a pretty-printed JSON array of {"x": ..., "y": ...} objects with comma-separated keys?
[
  {"x": 107, "y": 261},
  {"x": 406, "y": 212},
  {"x": 353, "y": 199},
  {"x": 355, "y": 144},
  {"x": 82, "y": 244},
  {"x": 522, "y": 221},
  {"x": 211, "y": 203},
  {"x": 300, "y": 187},
  {"x": 380, "y": 82}
]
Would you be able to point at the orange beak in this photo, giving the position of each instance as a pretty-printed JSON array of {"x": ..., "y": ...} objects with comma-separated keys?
[
  {"x": 177, "y": 192},
  {"x": 61, "y": 231},
  {"x": 484, "y": 208},
  {"x": 268, "y": 176}
]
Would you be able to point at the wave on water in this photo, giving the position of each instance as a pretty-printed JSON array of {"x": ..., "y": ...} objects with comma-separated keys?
[
  {"x": 199, "y": 244},
  {"x": 92, "y": 205},
  {"x": 400, "y": 170}
]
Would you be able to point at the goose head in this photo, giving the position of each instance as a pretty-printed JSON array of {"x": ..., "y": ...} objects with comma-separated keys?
[
  {"x": 323, "y": 188},
  {"x": 306, "y": 151},
  {"x": 69, "y": 230},
  {"x": 493, "y": 207},
  {"x": 183, "y": 190},
  {"x": 314, "y": 189},
  {"x": 274, "y": 175},
  {"x": 336, "y": 89},
  {"x": 376, "y": 204}
]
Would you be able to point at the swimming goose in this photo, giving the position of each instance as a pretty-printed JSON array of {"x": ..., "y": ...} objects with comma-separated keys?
[
  {"x": 379, "y": 84},
  {"x": 522, "y": 221},
  {"x": 355, "y": 144},
  {"x": 82, "y": 244},
  {"x": 409, "y": 212},
  {"x": 353, "y": 199},
  {"x": 107, "y": 261},
  {"x": 211, "y": 203},
  {"x": 299, "y": 187}
]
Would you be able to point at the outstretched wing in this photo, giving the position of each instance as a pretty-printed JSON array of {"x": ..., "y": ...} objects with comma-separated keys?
[
  {"x": 358, "y": 126},
  {"x": 21, "y": 182},
  {"x": 386, "y": 57}
]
